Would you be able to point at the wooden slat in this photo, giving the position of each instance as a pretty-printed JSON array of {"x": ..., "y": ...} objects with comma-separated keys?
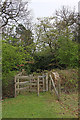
[
  {"x": 20, "y": 83},
  {"x": 26, "y": 77},
  {"x": 24, "y": 88},
  {"x": 26, "y": 83},
  {"x": 50, "y": 85},
  {"x": 30, "y": 86},
  {"x": 43, "y": 85},
  {"x": 46, "y": 81},
  {"x": 54, "y": 87},
  {"x": 38, "y": 86},
  {"x": 23, "y": 77},
  {"x": 42, "y": 76},
  {"x": 33, "y": 83}
]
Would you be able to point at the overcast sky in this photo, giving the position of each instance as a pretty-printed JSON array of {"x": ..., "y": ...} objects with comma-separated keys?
[{"x": 44, "y": 8}]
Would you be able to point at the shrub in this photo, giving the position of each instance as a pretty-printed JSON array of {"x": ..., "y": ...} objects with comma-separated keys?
[
  {"x": 69, "y": 79},
  {"x": 8, "y": 84}
]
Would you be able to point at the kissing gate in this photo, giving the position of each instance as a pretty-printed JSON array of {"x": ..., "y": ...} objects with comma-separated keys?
[{"x": 43, "y": 83}]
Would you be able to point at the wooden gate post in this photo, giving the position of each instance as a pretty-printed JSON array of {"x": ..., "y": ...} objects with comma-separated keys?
[
  {"x": 50, "y": 85},
  {"x": 30, "y": 86},
  {"x": 43, "y": 84},
  {"x": 38, "y": 86},
  {"x": 15, "y": 86},
  {"x": 18, "y": 85},
  {"x": 46, "y": 81}
]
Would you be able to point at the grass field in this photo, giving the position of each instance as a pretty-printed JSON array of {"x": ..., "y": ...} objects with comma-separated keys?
[{"x": 45, "y": 106}]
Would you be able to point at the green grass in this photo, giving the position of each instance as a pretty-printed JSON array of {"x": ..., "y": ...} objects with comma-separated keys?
[
  {"x": 44, "y": 106},
  {"x": 0, "y": 110}
]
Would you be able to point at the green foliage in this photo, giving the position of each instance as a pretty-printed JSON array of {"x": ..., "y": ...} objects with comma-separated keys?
[
  {"x": 42, "y": 60},
  {"x": 67, "y": 53},
  {"x": 10, "y": 58},
  {"x": 8, "y": 84}
]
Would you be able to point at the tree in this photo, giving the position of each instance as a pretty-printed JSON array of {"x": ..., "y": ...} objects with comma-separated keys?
[
  {"x": 56, "y": 33},
  {"x": 46, "y": 33},
  {"x": 25, "y": 35},
  {"x": 66, "y": 17},
  {"x": 14, "y": 11},
  {"x": 67, "y": 53}
]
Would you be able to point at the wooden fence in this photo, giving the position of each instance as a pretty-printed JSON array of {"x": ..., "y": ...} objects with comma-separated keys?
[{"x": 36, "y": 83}]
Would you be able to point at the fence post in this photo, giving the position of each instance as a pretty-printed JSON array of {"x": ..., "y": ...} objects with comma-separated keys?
[
  {"x": 38, "y": 86},
  {"x": 15, "y": 86},
  {"x": 46, "y": 81},
  {"x": 43, "y": 84},
  {"x": 50, "y": 85},
  {"x": 18, "y": 85},
  {"x": 30, "y": 86}
]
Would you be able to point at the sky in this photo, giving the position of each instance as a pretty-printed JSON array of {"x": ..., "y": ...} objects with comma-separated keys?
[{"x": 46, "y": 8}]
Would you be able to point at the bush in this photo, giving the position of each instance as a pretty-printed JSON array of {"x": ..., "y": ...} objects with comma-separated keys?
[
  {"x": 69, "y": 80},
  {"x": 8, "y": 84},
  {"x": 67, "y": 53},
  {"x": 10, "y": 58}
]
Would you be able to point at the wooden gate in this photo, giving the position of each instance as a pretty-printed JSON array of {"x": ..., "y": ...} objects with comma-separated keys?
[
  {"x": 43, "y": 83},
  {"x": 31, "y": 83}
]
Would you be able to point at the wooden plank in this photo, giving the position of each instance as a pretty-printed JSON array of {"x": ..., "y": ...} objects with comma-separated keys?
[
  {"x": 42, "y": 76},
  {"x": 54, "y": 87},
  {"x": 33, "y": 83},
  {"x": 43, "y": 84},
  {"x": 26, "y": 83},
  {"x": 30, "y": 86},
  {"x": 50, "y": 85},
  {"x": 26, "y": 77},
  {"x": 46, "y": 81},
  {"x": 20, "y": 83},
  {"x": 38, "y": 86},
  {"x": 24, "y": 88},
  {"x": 30, "y": 90},
  {"x": 15, "y": 86},
  {"x": 23, "y": 77}
]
